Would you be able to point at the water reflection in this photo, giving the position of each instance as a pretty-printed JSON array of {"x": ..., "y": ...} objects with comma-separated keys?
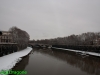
[
  {"x": 23, "y": 63},
  {"x": 54, "y": 62},
  {"x": 89, "y": 64}
]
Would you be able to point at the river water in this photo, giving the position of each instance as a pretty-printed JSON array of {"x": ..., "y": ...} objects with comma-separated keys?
[{"x": 55, "y": 62}]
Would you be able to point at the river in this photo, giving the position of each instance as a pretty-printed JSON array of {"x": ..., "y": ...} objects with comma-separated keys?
[{"x": 54, "y": 62}]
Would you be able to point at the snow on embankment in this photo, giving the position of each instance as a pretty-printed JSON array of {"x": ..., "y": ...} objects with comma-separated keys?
[
  {"x": 9, "y": 61},
  {"x": 84, "y": 52}
]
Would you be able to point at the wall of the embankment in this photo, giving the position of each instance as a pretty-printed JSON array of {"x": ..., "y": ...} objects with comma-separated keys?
[{"x": 90, "y": 48}]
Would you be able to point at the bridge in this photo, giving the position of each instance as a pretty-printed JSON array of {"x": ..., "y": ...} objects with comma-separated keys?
[
  {"x": 90, "y": 48},
  {"x": 39, "y": 45}
]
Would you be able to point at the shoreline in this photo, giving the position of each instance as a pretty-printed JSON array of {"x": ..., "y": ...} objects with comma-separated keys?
[
  {"x": 8, "y": 62},
  {"x": 79, "y": 51},
  {"x": 20, "y": 66},
  {"x": 23, "y": 57}
]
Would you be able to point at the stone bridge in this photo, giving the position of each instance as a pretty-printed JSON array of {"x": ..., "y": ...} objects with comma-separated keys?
[{"x": 40, "y": 45}]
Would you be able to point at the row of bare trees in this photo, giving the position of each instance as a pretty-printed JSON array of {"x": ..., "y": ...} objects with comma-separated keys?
[
  {"x": 20, "y": 37},
  {"x": 89, "y": 38}
]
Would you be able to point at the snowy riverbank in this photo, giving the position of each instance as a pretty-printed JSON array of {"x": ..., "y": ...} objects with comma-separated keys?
[
  {"x": 83, "y": 52},
  {"x": 9, "y": 61}
]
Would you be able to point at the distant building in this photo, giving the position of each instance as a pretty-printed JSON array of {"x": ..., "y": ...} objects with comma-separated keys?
[{"x": 6, "y": 37}]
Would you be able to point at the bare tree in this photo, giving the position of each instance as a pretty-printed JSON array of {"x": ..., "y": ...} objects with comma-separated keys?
[
  {"x": 20, "y": 36},
  {"x": 82, "y": 39}
]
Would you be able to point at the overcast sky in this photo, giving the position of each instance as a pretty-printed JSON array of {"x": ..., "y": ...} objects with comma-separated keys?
[{"x": 44, "y": 19}]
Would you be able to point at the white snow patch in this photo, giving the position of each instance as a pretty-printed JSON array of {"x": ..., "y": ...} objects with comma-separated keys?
[
  {"x": 84, "y": 52},
  {"x": 9, "y": 61}
]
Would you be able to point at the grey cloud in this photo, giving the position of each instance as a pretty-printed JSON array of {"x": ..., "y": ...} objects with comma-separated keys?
[{"x": 50, "y": 18}]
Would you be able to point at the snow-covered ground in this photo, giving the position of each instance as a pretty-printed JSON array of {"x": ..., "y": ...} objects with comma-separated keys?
[
  {"x": 83, "y": 52},
  {"x": 9, "y": 61}
]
